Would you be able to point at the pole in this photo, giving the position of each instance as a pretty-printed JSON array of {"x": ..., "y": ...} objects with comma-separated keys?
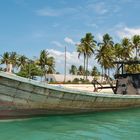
[
  {"x": 65, "y": 65},
  {"x": 29, "y": 70}
]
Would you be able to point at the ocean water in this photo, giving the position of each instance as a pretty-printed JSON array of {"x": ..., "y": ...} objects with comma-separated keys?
[{"x": 113, "y": 125}]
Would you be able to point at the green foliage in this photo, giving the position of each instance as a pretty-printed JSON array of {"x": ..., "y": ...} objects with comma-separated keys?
[
  {"x": 80, "y": 81},
  {"x": 80, "y": 70},
  {"x": 132, "y": 68},
  {"x": 95, "y": 71},
  {"x": 22, "y": 61},
  {"x": 57, "y": 72},
  {"x": 126, "y": 49},
  {"x": 86, "y": 48},
  {"x": 5, "y": 58},
  {"x": 46, "y": 62},
  {"x": 69, "y": 82},
  {"x": 50, "y": 65},
  {"x": 10, "y": 60},
  {"x": 136, "y": 44},
  {"x": 30, "y": 70},
  {"x": 44, "y": 65},
  {"x": 118, "y": 51},
  {"x": 73, "y": 70},
  {"x": 87, "y": 73},
  {"x": 76, "y": 80},
  {"x": 105, "y": 54}
]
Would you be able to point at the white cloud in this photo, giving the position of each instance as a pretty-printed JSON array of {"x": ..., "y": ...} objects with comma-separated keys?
[
  {"x": 20, "y": 2},
  {"x": 92, "y": 25},
  {"x": 99, "y": 8},
  {"x": 100, "y": 37},
  {"x": 58, "y": 44},
  {"x": 39, "y": 34},
  {"x": 47, "y": 12},
  {"x": 128, "y": 32},
  {"x": 69, "y": 41},
  {"x": 72, "y": 59},
  {"x": 55, "y": 12}
]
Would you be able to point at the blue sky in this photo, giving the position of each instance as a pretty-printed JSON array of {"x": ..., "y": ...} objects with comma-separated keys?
[{"x": 28, "y": 26}]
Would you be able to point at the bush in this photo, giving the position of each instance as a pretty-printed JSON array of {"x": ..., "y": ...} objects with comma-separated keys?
[
  {"x": 76, "y": 80},
  {"x": 68, "y": 82}
]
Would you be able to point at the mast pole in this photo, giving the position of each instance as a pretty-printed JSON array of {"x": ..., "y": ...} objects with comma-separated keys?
[{"x": 65, "y": 65}]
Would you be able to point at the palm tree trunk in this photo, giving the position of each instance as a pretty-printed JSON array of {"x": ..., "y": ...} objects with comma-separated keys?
[
  {"x": 105, "y": 74},
  {"x": 86, "y": 66},
  {"x": 108, "y": 72},
  {"x": 105, "y": 71},
  {"x": 136, "y": 52},
  {"x": 7, "y": 67},
  {"x": 102, "y": 75},
  {"x": 45, "y": 75},
  {"x": 10, "y": 68}
]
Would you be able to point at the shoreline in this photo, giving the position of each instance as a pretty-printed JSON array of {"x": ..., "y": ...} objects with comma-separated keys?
[{"x": 83, "y": 87}]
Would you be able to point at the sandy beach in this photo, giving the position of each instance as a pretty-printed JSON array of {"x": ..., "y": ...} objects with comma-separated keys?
[{"x": 84, "y": 87}]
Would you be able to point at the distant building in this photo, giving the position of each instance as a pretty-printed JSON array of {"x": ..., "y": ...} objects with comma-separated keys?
[{"x": 60, "y": 77}]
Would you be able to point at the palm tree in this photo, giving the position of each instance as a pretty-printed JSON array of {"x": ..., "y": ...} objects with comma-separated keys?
[
  {"x": 80, "y": 70},
  {"x": 105, "y": 57},
  {"x": 118, "y": 51},
  {"x": 50, "y": 65},
  {"x": 22, "y": 61},
  {"x": 107, "y": 41},
  {"x": 88, "y": 45},
  {"x": 13, "y": 61},
  {"x": 105, "y": 53},
  {"x": 10, "y": 60},
  {"x": 136, "y": 43},
  {"x": 46, "y": 63},
  {"x": 81, "y": 51},
  {"x": 43, "y": 61},
  {"x": 6, "y": 60},
  {"x": 73, "y": 70},
  {"x": 30, "y": 70},
  {"x": 87, "y": 74},
  {"x": 127, "y": 48},
  {"x": 94, "y": 71},
  {"x": 132, "y": 68}
]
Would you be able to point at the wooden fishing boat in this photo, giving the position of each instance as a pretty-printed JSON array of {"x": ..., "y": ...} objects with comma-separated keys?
[{"x": 21, "y": 97}]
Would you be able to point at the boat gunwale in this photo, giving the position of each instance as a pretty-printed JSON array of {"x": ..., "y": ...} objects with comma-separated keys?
[{"x": 66, "y": 90}]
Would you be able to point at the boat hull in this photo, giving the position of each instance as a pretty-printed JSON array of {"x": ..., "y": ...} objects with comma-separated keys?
[{"x": 20, "y": 97}]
